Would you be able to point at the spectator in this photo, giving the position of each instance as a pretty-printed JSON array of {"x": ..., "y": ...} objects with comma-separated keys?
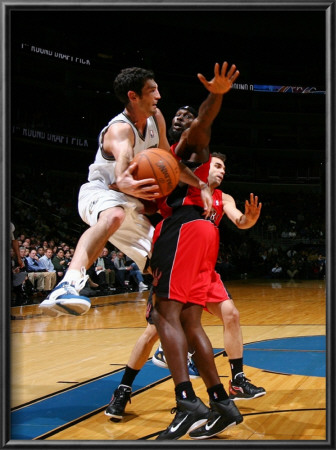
[
  {"x": 276, "y": 271},
  {"x": 122, "y": 274},
  {"x": 19, "y": 276},
  {"x": 100, "y": 273},
  {"x": 135, "y": 272},
  {"x": 67, "y": 257},
  {"x": 39, "y": 252},
  {"x": 46, "y": 260},
  {"x": 109, "y": 268},
  {"x": 35, "y": 270},
  {"x": 293, "y": 269},
  {"x": 59, "y": 263},
  {"x": 26, "y": 243},
  {"x": 16, "y": 249}
]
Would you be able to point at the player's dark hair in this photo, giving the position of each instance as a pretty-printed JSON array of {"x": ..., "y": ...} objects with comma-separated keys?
[
  {"x": 190, "y": 109},
  {"x": 131, "y": 79},
  {"x": 220, "y": 156}
]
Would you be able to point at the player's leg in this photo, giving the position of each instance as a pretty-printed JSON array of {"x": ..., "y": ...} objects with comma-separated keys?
[
  {"x": 190, "y": 410},
  {"x": 139, "y": 355},
  {"x": 223, "y": 413},
  {"x": 239, "y": 386},
  {"x": 65, "y": 298},
  {"x": 138, "y": 358}
]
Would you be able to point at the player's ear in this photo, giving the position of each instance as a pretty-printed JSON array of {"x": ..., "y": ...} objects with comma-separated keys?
[{"x": 132, "y": 95}]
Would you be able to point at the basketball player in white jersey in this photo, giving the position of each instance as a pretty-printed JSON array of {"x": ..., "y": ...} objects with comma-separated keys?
[{"x": 116, "y": 215}]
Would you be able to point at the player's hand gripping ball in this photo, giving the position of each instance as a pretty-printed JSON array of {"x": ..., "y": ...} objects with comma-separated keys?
[{"x": 158, "y": 164}]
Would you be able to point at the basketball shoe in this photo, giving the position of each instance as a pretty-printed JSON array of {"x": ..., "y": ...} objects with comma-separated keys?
[
  {"x": 192, "y": 369},
  {"x": 241, "y": 389},
  {"x": 64, "y": 299},
  {"x": 159, "y": 358},
  {"x": 223, "y": 415},
  {"x": 189, "y": 415},
  {"x": 117, "y": 405}
]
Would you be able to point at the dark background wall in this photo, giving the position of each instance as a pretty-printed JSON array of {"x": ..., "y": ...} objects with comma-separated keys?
[{"x": 62, "y": 63}]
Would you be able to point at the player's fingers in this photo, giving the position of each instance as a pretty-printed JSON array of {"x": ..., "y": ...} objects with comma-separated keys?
[
  {"x": 231, "y": 71},
  {"x": 235, "y": 76},
  {"x": 202, "y": 79},
  {"x": 147, "y": 181},
  {"x": 216, "y": 70},
  {"x": 206, "y": 213},
  {"x": 148, "y": 196},
  {"x": 132, "y": 167},
  {"x": 224, "y": 68}
]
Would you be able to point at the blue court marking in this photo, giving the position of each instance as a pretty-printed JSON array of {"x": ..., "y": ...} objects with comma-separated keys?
[
  {"x": 45, "y": 415},
  {"x": 304, "y": 355},
  {"x": 300, "y": 355}
]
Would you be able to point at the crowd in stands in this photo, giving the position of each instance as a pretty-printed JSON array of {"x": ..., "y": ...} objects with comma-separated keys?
[
  {"x": 288, "y": 242},
  {"x": 45, "y": 264}
]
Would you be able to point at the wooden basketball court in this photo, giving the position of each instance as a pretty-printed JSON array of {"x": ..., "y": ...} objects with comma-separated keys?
[{"x": 64, "y": 370}]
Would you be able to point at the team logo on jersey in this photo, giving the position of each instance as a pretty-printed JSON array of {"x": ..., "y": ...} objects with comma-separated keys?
[
  {"x": 213, "y": 216},
  {"x": 151, "y": 132},
  {"x": 91, "y": 206},
  {"x": 157, "y": 274}
]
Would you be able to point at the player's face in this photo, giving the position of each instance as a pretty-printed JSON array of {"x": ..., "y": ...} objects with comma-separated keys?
[
  {"x": 149, "y": 98},
  {"x": 216, "y": 172},
  {"x": 182, "y": 120}
]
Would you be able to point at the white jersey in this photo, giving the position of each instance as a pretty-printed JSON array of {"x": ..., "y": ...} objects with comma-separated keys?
[
  {"x": 134, "y": 236},
  {"x": 103, "y": 168}
]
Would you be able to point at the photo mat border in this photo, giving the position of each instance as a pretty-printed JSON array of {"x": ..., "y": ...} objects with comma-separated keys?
[{"x": 329, "y": 8}]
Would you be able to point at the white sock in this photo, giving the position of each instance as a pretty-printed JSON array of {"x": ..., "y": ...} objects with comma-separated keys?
[{"x": 72, "y": 275}]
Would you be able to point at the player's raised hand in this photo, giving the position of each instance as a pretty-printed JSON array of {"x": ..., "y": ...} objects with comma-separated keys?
[
  {"x": 252, "y": 209},
  {"x": 222, "y": 82}
]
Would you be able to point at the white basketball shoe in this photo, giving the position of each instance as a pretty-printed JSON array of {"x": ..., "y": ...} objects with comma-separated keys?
[{"x": 64, "y": 299}]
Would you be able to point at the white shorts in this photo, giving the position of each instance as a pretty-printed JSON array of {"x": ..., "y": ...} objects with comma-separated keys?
[{"x": 134, "y": 237}]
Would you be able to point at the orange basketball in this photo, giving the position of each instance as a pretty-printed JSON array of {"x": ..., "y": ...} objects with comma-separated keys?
[{"x": 159, "y": 164}]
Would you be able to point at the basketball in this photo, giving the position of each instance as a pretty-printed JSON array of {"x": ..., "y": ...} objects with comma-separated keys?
[{"x": 159, "y": 164}]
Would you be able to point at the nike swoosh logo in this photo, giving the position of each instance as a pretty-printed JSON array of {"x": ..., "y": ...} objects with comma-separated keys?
[
  {"x": 208, "y": 427},
  {"x": 178, "y": 425}
]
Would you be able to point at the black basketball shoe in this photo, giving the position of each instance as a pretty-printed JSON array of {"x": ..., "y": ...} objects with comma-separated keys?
[
  {"x": 223, "y": 415},
  {"x": 189, "y": 415},
  {"x": 118, "y": 403},
  {"x": 241, "y": 389}
]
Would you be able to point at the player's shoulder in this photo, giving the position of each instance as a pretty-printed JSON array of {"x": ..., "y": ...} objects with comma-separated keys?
[{"x": 227, "y": 198}]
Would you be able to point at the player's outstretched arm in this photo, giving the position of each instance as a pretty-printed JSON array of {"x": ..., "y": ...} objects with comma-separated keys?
[
  {"x": 250, "y": 216},
  {"x": 199, "y": 133}
]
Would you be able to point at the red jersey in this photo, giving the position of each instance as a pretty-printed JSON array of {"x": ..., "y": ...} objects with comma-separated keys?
[{"x": 184, "y": 195}]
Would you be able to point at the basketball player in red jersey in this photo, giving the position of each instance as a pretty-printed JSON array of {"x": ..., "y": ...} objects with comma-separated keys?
[
  {"x": 220, "y": 305},
  {"x": 219, "y": 301},
  {"x": 185, "y": 248}
]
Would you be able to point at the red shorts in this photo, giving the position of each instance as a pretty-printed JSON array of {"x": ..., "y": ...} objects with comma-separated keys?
[
  {"x": 183, "y": 259},
  {"x": 217, "y": 292}
]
